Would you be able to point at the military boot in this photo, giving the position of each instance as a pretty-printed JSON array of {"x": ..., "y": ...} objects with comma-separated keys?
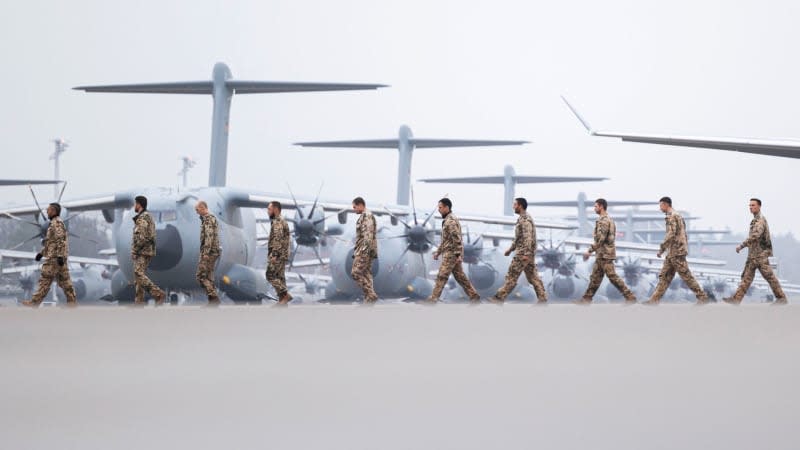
[
  {"x": 732, "y": 301},
  {"x": 159, "y": 297},
  {"x": 781, "y": 301},
  {"x": 30, "y": 303},
  {"x": 213, "y": 301}
]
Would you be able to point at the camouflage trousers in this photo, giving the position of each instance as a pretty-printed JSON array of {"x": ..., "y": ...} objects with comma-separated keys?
[
  {"x": 51, "y": 271},
  {"x": 276, "y": 276},
  {"x": 516, "y": 268},
  {"x": 749, "y": 272},
  {"x": 141, "y": 281},
  {"x": 205, "y": 274},
  {"x": 605, "y": 267},
  {"x": 362, "y": 275},
  {"x": 452, "y": 265},
  {"x": 673, "y": 265}
]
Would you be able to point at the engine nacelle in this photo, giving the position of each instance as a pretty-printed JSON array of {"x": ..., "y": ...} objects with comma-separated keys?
[{"x": 242, "y": 284}]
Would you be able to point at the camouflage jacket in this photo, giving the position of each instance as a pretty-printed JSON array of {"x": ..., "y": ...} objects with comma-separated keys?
[
  {"x": 55, "y": 242},
  {"x": 209, "y": 235},
  {"x": 280, "y": 240},
  {"x": 524, "y": 236},
  {"x": 144, "y": 235},
  {"x": 759, "y": 241},
  {"x": 452, "y": 243},
  {"x": 366, "y": 236},
  {"x": 675, "y": 239},
  {"x": 605, "y": 233}
]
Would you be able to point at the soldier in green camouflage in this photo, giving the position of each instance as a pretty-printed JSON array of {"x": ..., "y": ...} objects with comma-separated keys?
[
  {"x": 605, "y": 234},
  {"x": 143, "y": 249},
  {"x": 524, "y": 246},
  {"x": 366, "y": 250},
  {"x": 209, "y": 251},
  {"x": 759, "y": 249},
  {"x": 451, "y": 250},
  {"x": 56, "y": 250},
  {"x": 676, "y": 245},
  {"x": 278, "y": 248}
]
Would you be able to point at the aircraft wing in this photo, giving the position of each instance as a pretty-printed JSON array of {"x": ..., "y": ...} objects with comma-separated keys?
[
  {"x": 109, "y": 201},
  {"x": 26, "y": 182},
  {"x": 245, "y": 199},
  {"x": 296, "y": 277},
  {"x": 509, "y": 220},
  {"x": 786, "y": 148},
  {"x": 16, "y": 254},
  {"x": 311, "y": 263}
]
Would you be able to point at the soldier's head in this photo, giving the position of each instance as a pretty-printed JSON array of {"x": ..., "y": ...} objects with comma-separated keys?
[
  {"x": 665, "y": 204},
  {"x": 274, "y": 209},
  {"x": 600, "y": 205},
  {"x": 53, "y": 210},
  {"x": 140, "y": 203},
  {"x": 520, "y": 204},
  {"x": 445, "y": 206},
  {"x": 359, "y": 205},
  {"x": 201, "y": 208},
  {"x": 755, "y": 205}
]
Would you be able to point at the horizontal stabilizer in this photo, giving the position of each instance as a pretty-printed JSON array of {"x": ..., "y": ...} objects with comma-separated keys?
[
  {"x": 416, "y": 142},
  {"x": 178, "y": 87},
  {"x": 516, "y": 178},
  {"x": 26, "y": 182},
  {"x": 273, "y": 87},
  {"x": 588, "y": 204}
]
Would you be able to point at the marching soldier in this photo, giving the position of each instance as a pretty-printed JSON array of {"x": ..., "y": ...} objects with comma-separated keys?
[
  {"x": 143, "y": 249},
  {"x": 676, "y": 245},
  {"x": 452, "y": 252},
  {"x": 605, "y": 233},
  {"x": 366, "y": 250},
  {"x": 209, "y": 251},
  {"x": 759, "y": 249},
  {"x": 278, "y": 248},
  {"x": 56, "y": 249},
  {"x": 525, "y": 257}
]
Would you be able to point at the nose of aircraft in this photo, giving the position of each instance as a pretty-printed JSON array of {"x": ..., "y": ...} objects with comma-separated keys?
[
  {"x": 563, "y": 287},
  {"x": 481, "y": 276},
  {"x": 169, "y": 248}
]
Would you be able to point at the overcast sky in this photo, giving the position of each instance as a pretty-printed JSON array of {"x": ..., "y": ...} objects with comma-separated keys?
[{"x": 456, "y": 69}]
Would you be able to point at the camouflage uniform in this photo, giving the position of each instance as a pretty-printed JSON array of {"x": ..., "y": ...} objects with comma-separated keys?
[
  {"x": 366, "y": 249},
  {"x": 143, "y": 249},
  {"x": 280, "y": 241},
  {"x": 55, "y": 246},
  {"x": 209, "y": 254},
  {"x": 759, "y": 249},
  {"x": 605, "y": 233},
  {"x": 451, "y": 250},
  {"x": 676, "y": 243},
  {"x": 524, "y": 245}
]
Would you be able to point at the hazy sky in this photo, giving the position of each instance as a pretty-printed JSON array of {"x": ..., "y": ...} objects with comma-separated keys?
[{"x": 457, "y": 69}]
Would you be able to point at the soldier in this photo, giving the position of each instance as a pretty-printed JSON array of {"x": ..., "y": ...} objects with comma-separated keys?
[
  {"x": 605, "y": 234},
  {"x": 209, "y": 251},
  {"x": 452, "y": 252},
  {"x": 676, "y": 245},
  {"x": 525, "y": 257},
  {"x": 278, "y": 246},
  {"x": 759, "y": 249},
  {"x": 143, "y": 249},
  {"x": 56, "y": 249},
  {"x": 366, "y": 249}
]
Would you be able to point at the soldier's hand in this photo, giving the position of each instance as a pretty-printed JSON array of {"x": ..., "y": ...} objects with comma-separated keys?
[
  {"x": 60, "y": 260},
  {"x": 738, "y": 248},
  {"x": 526, "y": 258},
  {"x": 508, "y": 252},
  {"x": 460, "y": 259},
  {"x": 586, "y": 256},
  {"x": 38, "y": 257},
  {"x": 658, "y": 255},
  {"x": 435, "y": 255}
]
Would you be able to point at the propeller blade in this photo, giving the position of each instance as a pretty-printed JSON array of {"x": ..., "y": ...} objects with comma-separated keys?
[
  {"x": 72, "y": 216},
  {"x": 36, "y": 201},
  {"x": 413, "y": 206},
  {"x": 24, "y": 242},
  {"x": 61, "y": 194},
  {"x": 424, "y": 266},
  {"x": 427, "y": 218},
  {"x": 316, "y": 253},
  {"x": 291, "y": 259},
  {"x": 11, "y": 216},
  {"x": 296, "y": 206},
  {"x": 314, "y": 206},
  {"x": 394, "y": 266},
  {"x": 391, "y": 214}
]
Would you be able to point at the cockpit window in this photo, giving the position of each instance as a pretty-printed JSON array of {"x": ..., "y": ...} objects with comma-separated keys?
[{"x": 169, "y": 215}]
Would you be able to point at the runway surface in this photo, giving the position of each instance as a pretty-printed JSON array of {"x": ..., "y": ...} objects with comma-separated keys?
[{"x": 401, "y": 377}]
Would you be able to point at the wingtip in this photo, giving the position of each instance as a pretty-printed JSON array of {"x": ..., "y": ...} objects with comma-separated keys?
[{"x": 578, "y": 116}]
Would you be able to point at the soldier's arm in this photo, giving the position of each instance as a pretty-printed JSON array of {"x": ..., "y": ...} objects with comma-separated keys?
[
  {"x": 525, "y": 238},
  {"x": 600, "y": 236},
  {"x": 60, "y": 238},
  {"x": 369, "y": 235},
  {"x": 669, "y": 235},
  {"x": 755, "y": 234}
]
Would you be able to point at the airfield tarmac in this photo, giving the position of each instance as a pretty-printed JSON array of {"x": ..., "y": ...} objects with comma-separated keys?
[{"x": 401, "y": 376}]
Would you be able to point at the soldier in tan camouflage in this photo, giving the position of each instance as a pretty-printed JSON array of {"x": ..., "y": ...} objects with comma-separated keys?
[
  {"x": 365, "y": 250},
  {"x": 143, "y": 249},
  {"x": 759, "y": 249},
  {"x": 676, "y": 245},
  {"x": 452, "y": 252},
  {"x": 525, "y": 257},
  {"x": 605, "y": 234},
  {"x": 278, "y": 248},
  {"x": 56, "y": 250},
  {"x": 209, "y": 251}
]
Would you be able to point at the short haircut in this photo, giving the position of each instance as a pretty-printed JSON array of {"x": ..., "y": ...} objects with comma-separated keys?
[
  {"x": 142, "y": 200},
  {"x": 203, "y": 204},
  {"x": 756, "y": 200},
  {"x": 602, "y": 202},
  {"x": 521, "y": 201},
  {"x": 359, "y": 201},
  {"x": 446, "y": 202},
  {"x": 276, "y": 204},
  {"x": 666, "y": 200},
  {"x": 57, "y": 207}
]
